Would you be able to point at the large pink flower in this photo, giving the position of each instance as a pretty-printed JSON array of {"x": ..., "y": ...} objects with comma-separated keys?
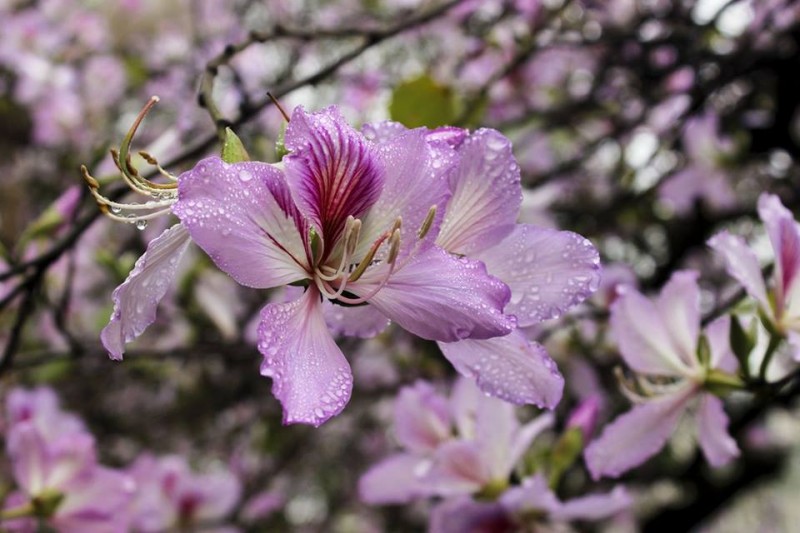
[{"x": 354, "y": 222}]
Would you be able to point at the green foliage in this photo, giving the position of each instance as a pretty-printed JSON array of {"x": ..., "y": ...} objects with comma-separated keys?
[
  {"x": 233, "y": 151},
  {"x": 423, "y": 102}
]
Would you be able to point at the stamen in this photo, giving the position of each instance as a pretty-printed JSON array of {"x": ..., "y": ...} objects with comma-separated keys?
[
  {"x": 362, "y": 266},
  {"x": 279, "y": 106},
  {"x": 427, "y": 223},
  {"x": 349, "y": 225},
  {"x": 394, "y": 243},
  {"x": 153, "y": 161}
]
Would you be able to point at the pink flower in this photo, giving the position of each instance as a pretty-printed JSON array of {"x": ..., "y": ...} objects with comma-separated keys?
[
  {"x": 55, "y": 468},
  {"x": 660, "y": 340},
  {"x": 466, "y": 445},
  {"x": 781, "y": 303},
  {"x": 171, "y": 496}
]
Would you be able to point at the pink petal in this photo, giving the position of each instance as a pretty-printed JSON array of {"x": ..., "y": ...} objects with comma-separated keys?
[
  {"x": 712, "y": 432},
  {"x": 29, "y": 458},
  {"x": 636, "y": 435},
  {"x": 718, "y": 335},
  {"x": 458, "y": 468},
  {"x": 415, "y": 180},
  {"x": 360, "y": 321},
  {"x": 533, "y": 495},
  {"x": 136, "y": 300},
  {"x": 644, "y": 340},
  {"x": 741, "y": 263},
  {"x": 242, "y": 215},
  {"x": 395, "y": 480},
  {"x": 310, "y": 376},
  {"x": 594, "y": 506},
  {"x": 785, "y": 237},
  {"x": 465, "y": 515},
  {"x": 679, "y": 307},
  {"x": 421, "y": 418},
  {"x": 486, "y": 195},
  {"x": 510, "y": 368},
  {"x": 548, "y": 271},
  {"x": 440, "y": 297},
  {"x": 332, "y": 169}
]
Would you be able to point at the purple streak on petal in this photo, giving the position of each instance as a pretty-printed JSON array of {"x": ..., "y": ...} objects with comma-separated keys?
[
  {"x": 421, "y": 418},
  {"x": 637, "y": 435},
  {"x": 741, "y": 263},
  {"x": 465, "y": 515},
  {"x": 458, "y": 468},
  {"x": 644, "y": 340},
  {"x": 332, "y": 169},
  {"x": 136, "y": 300},
  {"x": 594, "y": 506},
  {"x": 310, "y": 376},
  {"x": 440, "y": 297},
  {"x": 486, "y": 195},
  {"x": 785, "y": 237},
  {"x": 712, "y": 432},
  {"x": 511, "y": 368},
  {"x": 361, "y": 321},
  {"x": 415, "y": 180},
  {"x": 679, "y": 307},
  {"x": 395, "y": 480},
  {"x": 548, "y": 271},
  {"x": 242, "y": 215}
]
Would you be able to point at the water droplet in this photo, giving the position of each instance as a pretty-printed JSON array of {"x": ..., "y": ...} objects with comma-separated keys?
[
  {"x": 115, "y": 209},
  {"x": 141, "y": 224},
  {"x": 244, "y": 175}
]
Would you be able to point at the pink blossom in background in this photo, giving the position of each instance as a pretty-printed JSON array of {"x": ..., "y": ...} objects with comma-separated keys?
[{"x": 658, "y": 338}]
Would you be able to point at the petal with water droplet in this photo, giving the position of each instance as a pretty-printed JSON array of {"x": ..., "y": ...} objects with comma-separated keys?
[
  {"x": 486, "y": 194},
  {"x": 548, "y": 271},
  {"x": 250, "y": 228},
  {"x": 310, "y": 376},
  {"x": 510, "y": 368},
  {"x": 136, "y": 300},
  {"x": 437, "y": 296}
]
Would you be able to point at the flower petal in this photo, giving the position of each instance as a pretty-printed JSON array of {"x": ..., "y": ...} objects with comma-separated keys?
[
  {"x": 458, "y": 468},
  {"x": 548, "y": 271},
  {"x": 395, "y": 480},
  {"x": 510, "y": 368},
  {"x": 637, "y": 435},
  {"x": 465, "y": 515},
  {"x": 415, "y": 180},
  {"x": 421, "y": 418},
  {"x": 310, "y": 376},
  {"x": 741, "y": 263},
  {"x": 486, "y": 194},
  {"x": 594, "y": 506},
  {"x": 679, "y": 307},
  {"x": 440, "y": 297},
  {"x": 136, "y": 300},
  {"x": 643, "y": 338},
  {"x": 360, "y": 321},
  {"x": 532, "y": 495},
  {"x": 785, "y": 237},
  {"x": 332, "y": 169},
  {"x": 242, "y": 215},
  {"x": 712, "y": 432}
]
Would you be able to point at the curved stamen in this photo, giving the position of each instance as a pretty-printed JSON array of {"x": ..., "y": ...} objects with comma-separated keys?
[
  {"x": 153, "y": 161},
  {"x": 391, "y": 260},
  {"x": 349, "y": 227}
]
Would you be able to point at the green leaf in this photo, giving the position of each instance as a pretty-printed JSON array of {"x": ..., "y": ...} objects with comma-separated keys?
[
  {"x": 423, "y": 102},
  {"x": 742, "y": 342},
  {"x": 233, "y": 150},
  {"x": 564, "y": 454},
  {"x": 280, "y": 146}
]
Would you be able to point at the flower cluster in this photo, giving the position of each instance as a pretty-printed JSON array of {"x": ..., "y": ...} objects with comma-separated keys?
[
  {"x": 60, "y": 482},
  {"x": 465, "y": 450}
]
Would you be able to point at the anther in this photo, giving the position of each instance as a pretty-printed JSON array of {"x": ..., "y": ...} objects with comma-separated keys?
[
  {"x": 90, "y": 181},
  {"x": 427, "y": 223},
  {"x": 394, "y": 247}
]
